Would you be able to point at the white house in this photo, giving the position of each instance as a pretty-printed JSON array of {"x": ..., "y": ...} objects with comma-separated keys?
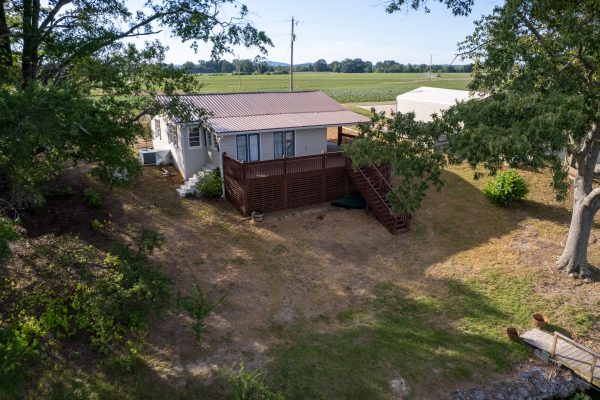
[{"x": 248, "y": 127}]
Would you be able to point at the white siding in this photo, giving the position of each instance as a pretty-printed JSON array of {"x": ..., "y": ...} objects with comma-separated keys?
[
  {"x": 194, "y": 157},
  {"x": 188, "y": 160},
  {"x": 162, "y": 143},
  {"x": 227, "y": 145},
  {"x": 311, "y": 141}
]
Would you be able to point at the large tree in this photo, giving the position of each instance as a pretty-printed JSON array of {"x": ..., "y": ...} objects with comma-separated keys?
[
  {"x": 539, "y": 62},
  {"x": 75, "y": 79}
]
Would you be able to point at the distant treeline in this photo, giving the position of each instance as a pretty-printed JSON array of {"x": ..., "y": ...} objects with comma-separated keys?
[{"x": 348, "y": 65}]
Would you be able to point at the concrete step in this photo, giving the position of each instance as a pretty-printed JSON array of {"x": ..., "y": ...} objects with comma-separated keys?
[{"x": 189, "y": 186}]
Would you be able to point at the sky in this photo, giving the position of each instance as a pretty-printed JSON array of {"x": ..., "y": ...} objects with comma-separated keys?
[{"x": 338, "y": 29}]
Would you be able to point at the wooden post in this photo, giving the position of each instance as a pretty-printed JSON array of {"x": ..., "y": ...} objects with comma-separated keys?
[
  {"x": 340, "y": 130},
  {"x": 593, "y": 369},
  {"x": 323, "y": 177},
  {"x": 553, "y": 351},
  {"x": 285, "y": 184},
  {"x": 347, "y": 175},
  {"x": 245, "y": 201}
]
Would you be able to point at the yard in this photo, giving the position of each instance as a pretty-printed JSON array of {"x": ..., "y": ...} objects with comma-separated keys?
[
  {"x": 330, "y": 305},
  {"x": 344, "y": 88}
]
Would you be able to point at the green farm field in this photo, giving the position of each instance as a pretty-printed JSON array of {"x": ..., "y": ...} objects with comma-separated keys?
[{"x": 344, "y": 88}]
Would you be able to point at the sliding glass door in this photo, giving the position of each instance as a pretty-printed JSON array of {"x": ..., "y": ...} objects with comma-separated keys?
[
  {"x": 248, "y": 147},
  {"x": 284, "y": 144}
]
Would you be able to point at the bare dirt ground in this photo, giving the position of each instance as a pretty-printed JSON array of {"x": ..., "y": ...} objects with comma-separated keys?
[{"x": 308, "y": 266}]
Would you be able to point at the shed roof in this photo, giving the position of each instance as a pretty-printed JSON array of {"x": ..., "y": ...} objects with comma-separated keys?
[
  {"x": 425, "y": 101},
  {"x": 255, "y": 111}
]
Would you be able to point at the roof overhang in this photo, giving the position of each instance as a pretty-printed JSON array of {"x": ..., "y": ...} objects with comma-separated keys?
[{"x": 265, "y": 123}]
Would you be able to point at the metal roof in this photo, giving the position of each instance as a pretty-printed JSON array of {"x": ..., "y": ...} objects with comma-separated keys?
[
  {"x": 256, "y": 111},
  {"x": 425, "y": 101}
]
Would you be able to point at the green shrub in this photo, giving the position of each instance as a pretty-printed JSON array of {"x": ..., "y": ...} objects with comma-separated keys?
[
  {"x": 506, "y": 187},
  {"x": 101, "y": 300},
  {"x": 97, "y": 225},
  {"x": 92, "y": 197},
  {"x": 581, "y": 396},
  {"x": 199, "y": 307},
  {"x": 148, "y": 241},
  {"x": 211, "y": 184},
  {"x": 8, "y": 233},
  {"x": 59, "y": 192},
  {"x": 250, "y": 385}
]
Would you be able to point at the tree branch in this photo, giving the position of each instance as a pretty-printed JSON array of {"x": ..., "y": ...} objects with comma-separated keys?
[{"x": 60, "y": 4}]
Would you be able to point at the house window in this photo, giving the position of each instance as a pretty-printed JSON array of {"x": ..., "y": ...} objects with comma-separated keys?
[
  {"x": 172, "y": 134},
  {"x": 284, "y": 144},
  {"x": 157, "y": 132},
  {"x": 194, "y": 136},
  {"x": 248, "y": 147},
  {"x": 210, "y": 140}
]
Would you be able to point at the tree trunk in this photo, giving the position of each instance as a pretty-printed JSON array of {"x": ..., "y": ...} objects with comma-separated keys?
[
  {"x": 5, "y": 49},
  {"x": 574, "y": 256},
  {"x": 29, "y": 56},
  {"x": 586, "y": 202}
]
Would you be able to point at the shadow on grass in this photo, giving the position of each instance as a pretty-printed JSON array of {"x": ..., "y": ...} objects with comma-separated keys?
[
  {"x": 551, "y": 328},
  {"x": 121, "y": 378},
  {"x": 428, "y": 340}
]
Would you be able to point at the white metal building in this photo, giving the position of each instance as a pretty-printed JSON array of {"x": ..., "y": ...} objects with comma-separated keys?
[{"x": 425, "y": 101}]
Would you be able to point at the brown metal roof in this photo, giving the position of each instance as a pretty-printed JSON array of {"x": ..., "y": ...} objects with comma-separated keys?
[{"x": 242, "y": 112}]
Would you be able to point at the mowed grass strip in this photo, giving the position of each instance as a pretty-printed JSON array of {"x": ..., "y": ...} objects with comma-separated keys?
[
  {"x": 428, "y": 340},
  {"x": 344, "y": 88}
]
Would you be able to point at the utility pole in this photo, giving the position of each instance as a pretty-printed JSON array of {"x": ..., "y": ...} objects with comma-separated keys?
[
  {"x": 430, "y": 62},
  {"x": 239, "y": 68},
  {"x": 292, "y": 58}
]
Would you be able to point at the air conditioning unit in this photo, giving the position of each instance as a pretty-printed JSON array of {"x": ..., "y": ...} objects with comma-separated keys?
[{"x": 154, "y": 156}]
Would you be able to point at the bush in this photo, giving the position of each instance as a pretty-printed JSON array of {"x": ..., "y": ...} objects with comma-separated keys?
[
  {"x": 581, "y": 396},
  {"x": 97, "y": 225},
  {"x": 59, "y": 192},
  {"x": 8, "y": 233},
  {"x": 250, "y": 385},
  {"x": 505, "y": 188},
  {"x": 148, "y": 241},
  {"x": 92, "y": 197},
  {"x": 77, "y": 295},
  {"x": 211, "y": 184},
  {"x": 199, "y": 307}
]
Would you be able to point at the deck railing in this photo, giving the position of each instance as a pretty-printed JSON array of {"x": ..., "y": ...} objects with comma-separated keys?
[
  {"x": 595, "y": 356},
  {"x": 286, "y": 182}
]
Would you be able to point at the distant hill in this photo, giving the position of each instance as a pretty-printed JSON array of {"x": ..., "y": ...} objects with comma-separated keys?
[
  {"x": 277, "y": 64},
  {"x": 282, "y": 64}
]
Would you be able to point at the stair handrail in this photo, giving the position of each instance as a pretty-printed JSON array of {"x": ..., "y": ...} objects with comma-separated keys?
[
  {"x": 371, "y": 185},
  {"x": 387, "y": 185},
  {"x": 595, "y": 356}
]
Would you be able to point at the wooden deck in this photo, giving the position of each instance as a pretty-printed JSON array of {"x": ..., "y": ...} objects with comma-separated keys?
[{"x": 581, "y": 360}]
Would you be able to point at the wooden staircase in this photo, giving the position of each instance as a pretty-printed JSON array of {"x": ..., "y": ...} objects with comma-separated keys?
[{"x": 374, "y": 186}]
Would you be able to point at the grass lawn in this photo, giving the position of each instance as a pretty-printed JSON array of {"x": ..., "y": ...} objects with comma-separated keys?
[
  {"x": 330, "y": 305},
  {"x": 345, "y": 88}
]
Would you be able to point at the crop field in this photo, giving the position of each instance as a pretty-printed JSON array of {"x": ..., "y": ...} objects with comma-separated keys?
[{"x": 345, "y": 88}]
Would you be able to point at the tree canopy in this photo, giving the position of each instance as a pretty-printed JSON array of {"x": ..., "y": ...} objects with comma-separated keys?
[
  {"x": 538, "y": 63},
  {"x": 409, "y": 148},
  {"x": 73, "y": 85}
]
